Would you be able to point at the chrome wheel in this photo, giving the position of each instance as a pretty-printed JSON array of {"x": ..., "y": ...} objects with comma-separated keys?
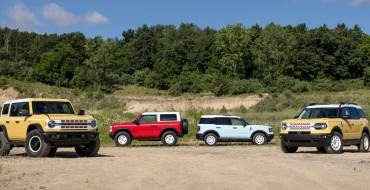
[
  {"x": 211, "y": 140},
  {"x": 259, "y": 139},
  {"x": 169, "y": 139},
  {"x": 336, "y": 143},
  {"x": 122, "y": 139}
]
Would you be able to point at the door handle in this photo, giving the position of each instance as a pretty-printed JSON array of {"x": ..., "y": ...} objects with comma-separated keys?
[
  {"x": 235, "y": 127},
  {"x": 7, "y": 121},
  {"x": 16, "y": 121},
  {"x": 153, "y": 125},
  {"x": 218, "y": 127}
]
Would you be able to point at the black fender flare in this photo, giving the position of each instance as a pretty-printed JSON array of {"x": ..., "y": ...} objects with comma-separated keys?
[
  {"x": 123, "y": 130},
  {"x": 336, "y": 128},
  {"x": 211, "y": 131},
  {"x": 258, "y": 131},
  {"x": 168, "y": 129},
  {"x": 35, "y": 126},
  {"x": 365, "y": 130}
]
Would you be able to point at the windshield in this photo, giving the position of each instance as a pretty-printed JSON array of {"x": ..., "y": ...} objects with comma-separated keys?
[
  {"x": 309, "y": 113},
  {"x": 52, "y": 108}
]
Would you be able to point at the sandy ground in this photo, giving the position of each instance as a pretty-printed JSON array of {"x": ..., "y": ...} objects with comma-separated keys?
[
  {"x": 188, "y": 167},
  {"x": 164, "y": 103}
]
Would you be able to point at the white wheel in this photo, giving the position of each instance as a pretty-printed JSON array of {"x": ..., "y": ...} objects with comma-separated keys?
[
  {"x": 259, "y": 139},
  {"x": 169, "y": 138},
  {"x": 336, "y": 143},
  {"x": 211, "y": 139},
  {"x": 122, "y": 139}
]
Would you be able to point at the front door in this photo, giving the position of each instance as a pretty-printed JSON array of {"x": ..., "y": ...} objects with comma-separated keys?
[
  {"x": 147, "y": 127},
  {"x": 240, "y": 130}
]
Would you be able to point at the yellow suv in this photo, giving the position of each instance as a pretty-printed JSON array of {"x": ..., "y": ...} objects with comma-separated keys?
[
  {"x": 328, "y": 127},
  {"x": 42, "y": 125}
]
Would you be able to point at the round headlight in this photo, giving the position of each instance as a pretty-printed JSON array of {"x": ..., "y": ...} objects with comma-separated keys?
[
  {"x": 284, "y": 126},
  {"x": 93, "y": 124},
  {"x": 320, "y": 126},
  {"x": 51, "y": 124}
]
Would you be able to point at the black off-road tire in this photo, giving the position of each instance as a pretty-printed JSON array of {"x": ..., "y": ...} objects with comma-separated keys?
[
  {"x": 211, "y": 139},
  {"x": 321, "y": 149},
  {"x": 89, "y": 149},
  {"x": 4, "y": 145},
  {"x": 288, "y": 149},
  {"x": 52, "y": 151},
  {"x": 185, "y": 126},
  {"x": 35, "y": 145},
  {"x": 336, "y": 144},
  {"x": 364, "y": 146},
  {"x": 259, "y": 139},
  {"x": 122, "y": 139},
  {"x": 169, "y": 138}
]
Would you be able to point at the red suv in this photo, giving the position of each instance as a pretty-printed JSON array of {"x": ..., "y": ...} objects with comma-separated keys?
[{"x": 164, "y": 126}]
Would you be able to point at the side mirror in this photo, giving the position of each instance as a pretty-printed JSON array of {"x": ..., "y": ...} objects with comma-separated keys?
[
  {"x": 136, "y": 122},
  {"x": 295, "y": 117},
  {"x": 81, "y": 112}
]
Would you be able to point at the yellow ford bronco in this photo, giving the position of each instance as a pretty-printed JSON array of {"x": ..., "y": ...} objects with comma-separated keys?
[
  {"x": 326, "y": 127},
  {"x": 42, "y": 125}
]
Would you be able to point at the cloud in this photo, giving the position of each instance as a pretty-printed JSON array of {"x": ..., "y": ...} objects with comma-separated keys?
[
  {"x": 21, "y": 16},
  {"x": 58, "y": 15},
  {"x": 95, "y": 18}
]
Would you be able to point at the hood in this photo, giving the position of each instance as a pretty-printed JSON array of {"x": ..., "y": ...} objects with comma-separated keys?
[
  {"x": 69, "y": 116},
  {"x": 313, "y": 120},
  {"x": 124, "y": 124}
]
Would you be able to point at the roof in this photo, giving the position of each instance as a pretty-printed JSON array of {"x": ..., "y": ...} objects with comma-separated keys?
[
  {"x": 334, "y": 106},
  {"x": 213, "y": 116},
  {"x": 36, "y": 99},
  {"x": 153, "y": 113}
]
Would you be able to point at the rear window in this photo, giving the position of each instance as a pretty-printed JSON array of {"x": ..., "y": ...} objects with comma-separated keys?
[
  {"x": 5, "y": 109},
  {"x": 168, "y": 117},
  {"x": 223, "y": 121},
  {"x": 207, "y": 121}
]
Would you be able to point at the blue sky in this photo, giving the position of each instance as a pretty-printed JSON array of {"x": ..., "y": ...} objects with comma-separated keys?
[{"x": 110, "y": 17}]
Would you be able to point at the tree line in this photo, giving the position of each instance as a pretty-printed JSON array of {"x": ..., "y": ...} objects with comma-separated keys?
[{"x": 187, "y": 58}]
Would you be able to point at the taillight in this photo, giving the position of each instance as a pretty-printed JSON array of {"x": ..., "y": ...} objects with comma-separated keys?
[{"x": 198, "y": 128}]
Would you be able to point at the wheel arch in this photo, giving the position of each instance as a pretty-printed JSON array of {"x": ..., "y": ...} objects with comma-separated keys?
[
  {"x": 123, "y": 130},
  {"x": 211, "y": 131},
  {"x": 259, "y": 131},
  {"x": 365, "y": 130},
  {"x": 337, "y": 129},
  {"x": 167, "y": 129},
  {"x": 33, "y": 127}
]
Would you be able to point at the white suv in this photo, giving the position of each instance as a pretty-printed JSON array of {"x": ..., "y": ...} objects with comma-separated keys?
[{"x": 227, "y": 128}]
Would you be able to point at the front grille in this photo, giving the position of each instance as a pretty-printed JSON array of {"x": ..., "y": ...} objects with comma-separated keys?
[
  {"x": 299, "y": 126},
  {"x": 73, "y": 125},
  {"x": 300, "y": 133}
]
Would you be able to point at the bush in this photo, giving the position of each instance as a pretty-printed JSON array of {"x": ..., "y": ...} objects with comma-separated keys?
[
  {"x": 367, "y": 77},
  {"x": 245, "y": 86},
  {"x": 3, "y": 82},
  {"x": 175, "y": 90}
]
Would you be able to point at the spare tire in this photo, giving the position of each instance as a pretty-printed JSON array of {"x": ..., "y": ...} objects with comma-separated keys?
[{"x": 185, "y": 126}]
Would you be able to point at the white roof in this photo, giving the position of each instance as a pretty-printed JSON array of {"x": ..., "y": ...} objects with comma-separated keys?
[
  {"x": 334, "y": 106},
  {"x": 33, "y": 99},
  {"x": 213, "y": 116},
  {"x": 154, "y": 113}
]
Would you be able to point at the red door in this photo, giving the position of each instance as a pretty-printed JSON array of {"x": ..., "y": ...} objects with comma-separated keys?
[{"x": 147, "y": 128}]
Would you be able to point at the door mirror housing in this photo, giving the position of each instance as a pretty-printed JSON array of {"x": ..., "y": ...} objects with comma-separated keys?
[
  {"x": 295, "y": 117},
  {"x": 81, "y": 112},
  {"x": 136, "y": 122}
]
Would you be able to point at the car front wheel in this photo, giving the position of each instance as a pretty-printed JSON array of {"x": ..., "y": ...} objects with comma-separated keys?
[
  {"x": 364, "y": 146},
  {"x": 4, "y": 145},
  {"x": 36, "y": 146},
  {"x": 259, "y": 139},
  {"x": 336, "y": 144},
  {"x": 122, "y": 139}
]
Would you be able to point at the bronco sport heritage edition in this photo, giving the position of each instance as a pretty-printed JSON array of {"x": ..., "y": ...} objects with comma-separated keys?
[
  {"x": 326, "y": 127},
  {"x": 164, "y": 126},
  {"x": 227, "y": 128},
  {"x": 43, "y": 125}
]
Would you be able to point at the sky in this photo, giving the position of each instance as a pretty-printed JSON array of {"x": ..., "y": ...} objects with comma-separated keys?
[{"x": 110, "y": 17}]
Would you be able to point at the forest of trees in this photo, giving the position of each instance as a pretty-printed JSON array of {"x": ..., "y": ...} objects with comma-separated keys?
[{"x": 187, "y": 58}]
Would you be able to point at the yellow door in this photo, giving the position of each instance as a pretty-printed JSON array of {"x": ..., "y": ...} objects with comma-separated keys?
[{"x": 16, "y": 122}]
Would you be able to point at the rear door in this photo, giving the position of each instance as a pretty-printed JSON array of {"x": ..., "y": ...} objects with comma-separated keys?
[
  {"x": 224, "y": 127},
  {"x": 17, "y": 121},
  {"x": 356, "y": 123}
]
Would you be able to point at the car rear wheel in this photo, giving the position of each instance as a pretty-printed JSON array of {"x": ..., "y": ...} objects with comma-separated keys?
[
  {"x": 259, "y": 139},
  {"x": 122, "y": 139},
  {"x": 89, "y": 149},
  {"x": 336, "y": 144},
  {"x": 4, "y": 145},
  {"x": 169, "y": 138},
  {"x": 364, "y": 146},
  {"x": 36, "y": 146},
  {"x": 210, "y": 139}
]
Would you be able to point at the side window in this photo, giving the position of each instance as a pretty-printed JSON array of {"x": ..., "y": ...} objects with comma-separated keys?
[
  {"x": 207, "y": 121},
  {"x": 148, "y": 118},
  {"x": 360, "y": 113},
  {"x": 236, "y": 121},
  {"x": 223, "y": 121},
  {"x": 353, "y": 113},
  {"x": 345, "y": 112},
  {"x": 18, "y": 108},
  {"x": 5, "y": 109},
  {"x": 168, "y": 117}
]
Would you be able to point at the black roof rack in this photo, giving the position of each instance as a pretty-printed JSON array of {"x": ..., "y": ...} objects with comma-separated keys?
[{"x": 348, "y": 103}]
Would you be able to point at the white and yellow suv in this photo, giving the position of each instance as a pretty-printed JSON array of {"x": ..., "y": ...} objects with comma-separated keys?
[
  {"x": 328, "y": 127},
  {"x": 43, "y": 125}
]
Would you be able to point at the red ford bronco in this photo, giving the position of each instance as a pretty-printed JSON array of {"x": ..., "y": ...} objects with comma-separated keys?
[{"x": 164, "y": 126}]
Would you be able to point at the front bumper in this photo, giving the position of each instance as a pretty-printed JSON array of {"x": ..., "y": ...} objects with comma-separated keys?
[
  {"x": 70, "y": 139},
  {"x": 270, "y": 137},
  {"x": 305, "y": 140}
]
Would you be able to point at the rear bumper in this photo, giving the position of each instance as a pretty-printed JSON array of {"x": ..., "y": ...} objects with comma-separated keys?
[
  {"x": 70, "y": 139},
  {"x": 199, "y": 136},
  {"x": 305, "y": 140}
]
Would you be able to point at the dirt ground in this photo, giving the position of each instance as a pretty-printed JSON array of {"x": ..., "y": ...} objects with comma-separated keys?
[{"x": 188, "y": 167}]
